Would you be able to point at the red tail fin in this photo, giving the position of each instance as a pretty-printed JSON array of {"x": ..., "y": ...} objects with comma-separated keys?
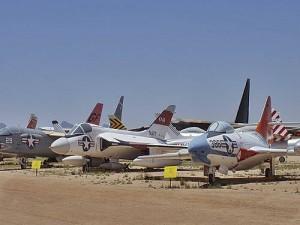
[
  {"x": 159, "y": 127},
  {"x": 95, "y": 115},
  {"x": 264, "y": 127},
  {"x": 166, "y": 116},
  {"x": 32, "y": 122}
]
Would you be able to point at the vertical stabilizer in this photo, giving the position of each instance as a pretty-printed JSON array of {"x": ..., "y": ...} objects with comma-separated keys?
[
  {"x": 57, "y": 127},
  {"x": 242, "y": 115},
  {"x": 115, "y": 123},
  {"x": 161, "y": 124},
  {"x": 95, "y": 115},
  {"x": 280, "y": 132},
  {"x": 32, "y": 121},
  {"x": 264, "y": 128},
  {"x": 119, "y": 109}
]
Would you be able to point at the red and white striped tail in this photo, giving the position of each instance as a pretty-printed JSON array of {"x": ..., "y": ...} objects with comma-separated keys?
[{"x": 280, "y": 133}]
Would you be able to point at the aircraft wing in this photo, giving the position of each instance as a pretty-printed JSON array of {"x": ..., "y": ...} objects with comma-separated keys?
[
  {"x": 136, "y": 141},
  {"x": 54, "y": 134},
  {"x": 181, "y": 155},
  {"x": 278, "y": 151},
  {"x": 127, "y": 139}
]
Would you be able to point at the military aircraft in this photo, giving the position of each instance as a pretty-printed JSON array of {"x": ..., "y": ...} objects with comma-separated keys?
[
  {"x": 87, "y": 142},
  {"x": 283, "y": 139},
  {"x": 28, "y": 142},
  {"x": 222, "y": 148},
  {"x": 31, "y": 124},
  {"x": 183, "y": 137}
]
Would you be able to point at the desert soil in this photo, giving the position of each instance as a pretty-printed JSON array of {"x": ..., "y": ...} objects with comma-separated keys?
[{"x": 65, "y": 196}]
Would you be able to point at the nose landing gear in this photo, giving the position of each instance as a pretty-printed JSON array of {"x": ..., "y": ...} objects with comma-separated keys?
[{"x": 210, "y": 172}]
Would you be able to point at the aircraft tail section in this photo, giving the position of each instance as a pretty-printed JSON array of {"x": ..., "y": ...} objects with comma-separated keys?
[
  {"x": 32, "y": 121},
  {"x": 119, "y": 109},
  {"x": 57, "y": 127},
  {"x": 242, "y": 115},
  {"x": 280, "y": 133},
  {"x": 263, "y": 127},
  {"x": 95, "y": 115},
  {"x": 161, "y": 124},
  {"x": 116, "y": 123}
]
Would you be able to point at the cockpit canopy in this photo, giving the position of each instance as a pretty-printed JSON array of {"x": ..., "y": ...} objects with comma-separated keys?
[
  {"x": 80, "y": 129},
  {"x": 219, "y": 127},
  {"x": 192, "y": 130}
]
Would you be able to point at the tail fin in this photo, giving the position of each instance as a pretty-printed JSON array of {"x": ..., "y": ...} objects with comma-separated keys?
[
  {"x": 264, "y": 127},
  {"x": 95, "y": 115},
  {"x": 119, "y": 109},
  {"x": 57, "y": 127},
  {"x": 161, "y": 124},
  {"x": 172, "y": 131},
  {"x": 32, "y": 121},
  {"x": 242, "y": 115},
  {"x": 280, "y": 133},
  {"x": 115, "y": 123}
]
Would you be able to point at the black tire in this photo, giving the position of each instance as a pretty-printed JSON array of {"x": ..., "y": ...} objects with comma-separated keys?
[
  {"x": 281, "y": 159},
  {"x": 267, "y": 172},
  {"x": 211, "y": 179},
  {"x": 23, "y": 166},
  {"x": 84, "y": 168}
]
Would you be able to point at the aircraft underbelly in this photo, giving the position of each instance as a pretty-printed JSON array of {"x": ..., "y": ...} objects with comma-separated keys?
[
  {"x": 252, "y": 162},
  {"x": 118, "y": 152},
  {"x": 218, "y": 160}
]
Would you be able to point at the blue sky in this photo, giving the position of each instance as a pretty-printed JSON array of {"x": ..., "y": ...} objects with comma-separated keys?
[{"x": 58, "y": 58}]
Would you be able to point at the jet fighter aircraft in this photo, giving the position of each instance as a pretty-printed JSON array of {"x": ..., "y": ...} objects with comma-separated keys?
[
  {"x": 222, "y": 148},
  {"x": 87, "y": 141},
  {"x": 31, "y": 124},
  {"x": 27, "y": 142}
]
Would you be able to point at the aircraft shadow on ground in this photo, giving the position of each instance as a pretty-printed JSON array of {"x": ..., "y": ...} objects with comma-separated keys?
[
  {"x": 229, "y": 181},
  {"x": 11, "y": 169}
]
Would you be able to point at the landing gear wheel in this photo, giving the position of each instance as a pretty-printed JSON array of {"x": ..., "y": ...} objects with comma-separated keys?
[
  {"x": 23, "y": 167},
  {"x": 85, "y": 168},
  {"x": 268, "y": 173},
  {"x": 281, "y": 159},
  {"x": 23, "y": 163},
  {"x": 211, "y": 179}
]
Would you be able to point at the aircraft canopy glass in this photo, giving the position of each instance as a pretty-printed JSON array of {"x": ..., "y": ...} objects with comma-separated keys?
[
  {"x": 86, "y": 127},
  {"x": 81, "y": 129},
  {"x": 220, "y": 127},
  {"x": 192, "y": 130}
]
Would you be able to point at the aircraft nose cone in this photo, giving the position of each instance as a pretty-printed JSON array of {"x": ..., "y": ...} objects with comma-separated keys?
[
  {"x": 60, "y": 146},
  {"x": 199, "y": 149}
]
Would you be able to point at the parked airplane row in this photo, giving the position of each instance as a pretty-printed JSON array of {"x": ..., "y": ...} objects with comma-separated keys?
[{"x": 220, "y": 148}]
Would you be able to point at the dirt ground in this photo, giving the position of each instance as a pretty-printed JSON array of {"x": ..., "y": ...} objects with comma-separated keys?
[{"x": 65, "y": 196}]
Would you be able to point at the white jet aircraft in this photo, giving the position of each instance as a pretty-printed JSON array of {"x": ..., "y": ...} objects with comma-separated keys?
[
  {"x": 86, "y": 142},
  {"x": 222, "y": 148}
]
